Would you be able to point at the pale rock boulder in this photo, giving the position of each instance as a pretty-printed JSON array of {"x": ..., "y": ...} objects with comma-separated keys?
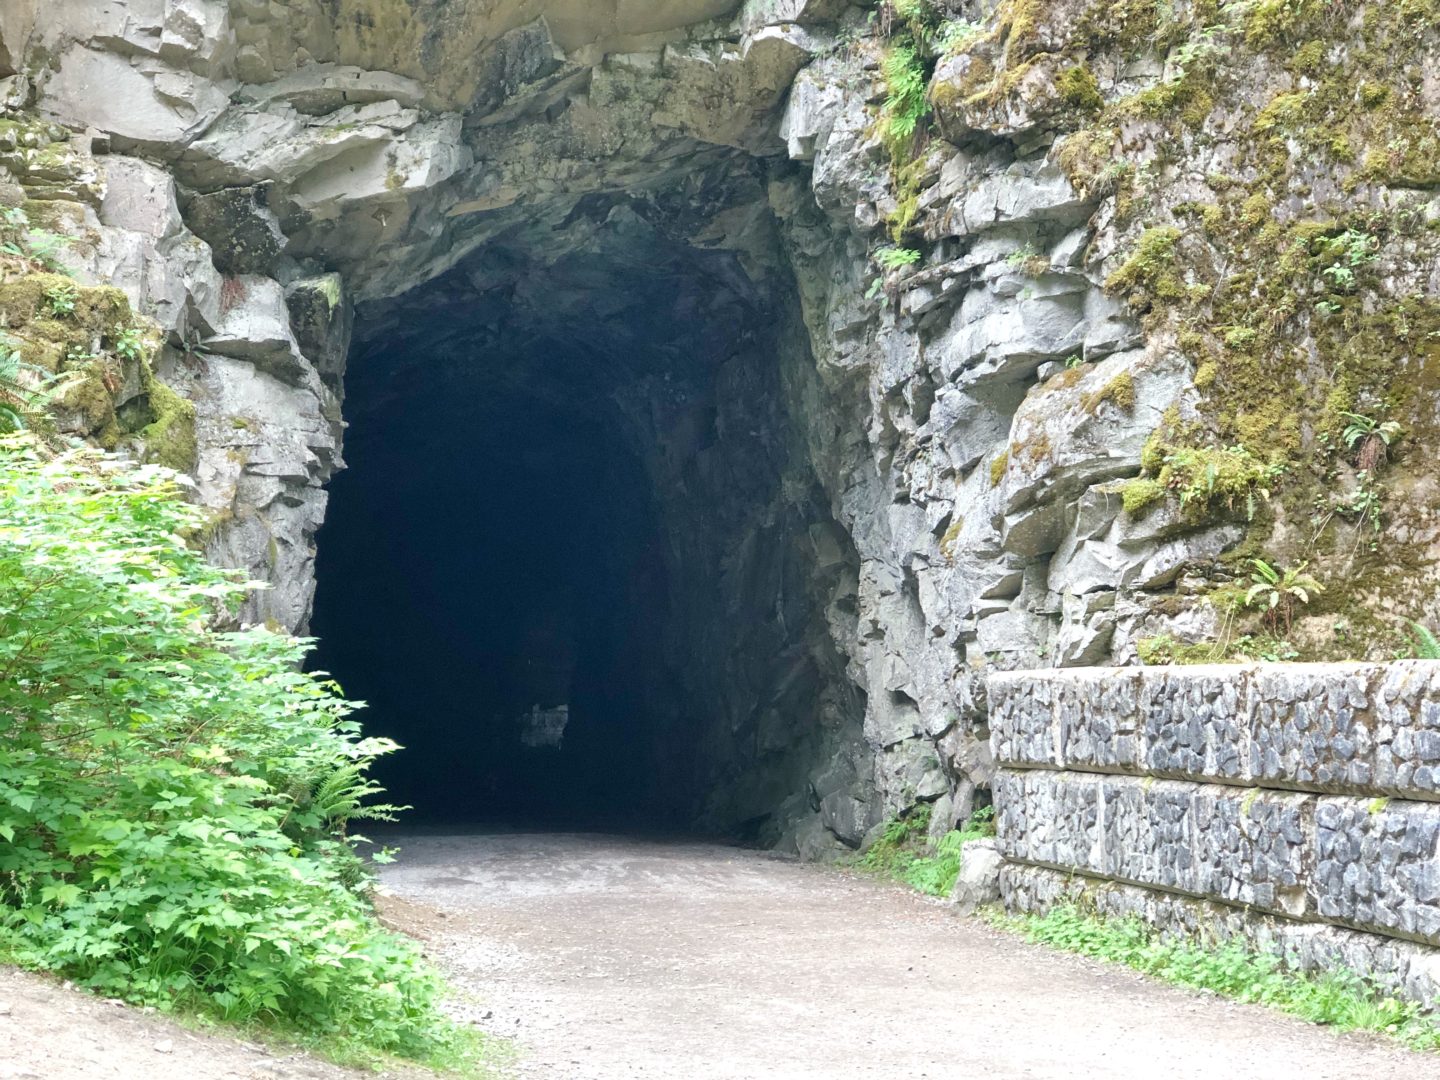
[{"x": 978, "y": 883}]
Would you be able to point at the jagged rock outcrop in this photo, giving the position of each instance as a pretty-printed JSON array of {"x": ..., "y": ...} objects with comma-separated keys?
[{"x": 1138, "y": 271}]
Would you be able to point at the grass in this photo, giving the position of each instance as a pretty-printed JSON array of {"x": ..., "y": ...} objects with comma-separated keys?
[
  {"x": 905, "y": 853},
  {"x": 1340, "y": 999}
]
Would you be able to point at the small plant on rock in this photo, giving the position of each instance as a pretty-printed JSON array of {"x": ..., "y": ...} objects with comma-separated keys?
[
  {"x": 893, "y": 258},
  {"x": 1369, "y": 439},
  {"x": 130, "y": 344},
  {"x": 61, "y": 299},
  {"x": 1426, "y": 644},
  {"x": 1279, "y": 590}
]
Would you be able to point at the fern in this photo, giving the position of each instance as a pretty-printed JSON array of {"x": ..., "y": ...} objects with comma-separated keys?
[
  {"x": 893, "y": 258},
  {"x": 340, "y": 797},
  {"x": 26, "y": 391},
  {"x": 935, "y": 874},
  {"x": 905, "y": 102},
  {"x": 1427, "y": 645}
]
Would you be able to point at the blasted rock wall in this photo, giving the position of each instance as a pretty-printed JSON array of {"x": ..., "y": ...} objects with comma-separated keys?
[{"x": 1294, "y": 806}]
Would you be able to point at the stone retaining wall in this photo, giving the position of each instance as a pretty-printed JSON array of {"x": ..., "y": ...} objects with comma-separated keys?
[{"x": 1296, "y": 806}]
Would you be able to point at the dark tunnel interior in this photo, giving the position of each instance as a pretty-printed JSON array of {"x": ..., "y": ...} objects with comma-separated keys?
[{"x": 552, "y": 568}]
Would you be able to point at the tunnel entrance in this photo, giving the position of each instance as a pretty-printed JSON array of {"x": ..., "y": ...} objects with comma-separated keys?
[{"x": 573, "y": 565}]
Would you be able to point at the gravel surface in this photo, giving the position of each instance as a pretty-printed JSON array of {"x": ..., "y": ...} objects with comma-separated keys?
[
  {"x": 610, "y": 958},
  {"x": 50, "y": 1031}
]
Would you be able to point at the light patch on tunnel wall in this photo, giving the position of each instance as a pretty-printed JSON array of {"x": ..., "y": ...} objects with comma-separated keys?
[{"x": 544, "y": 729}]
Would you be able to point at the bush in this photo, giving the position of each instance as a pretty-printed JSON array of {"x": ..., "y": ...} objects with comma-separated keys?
[{"x": 159, "y": 835}]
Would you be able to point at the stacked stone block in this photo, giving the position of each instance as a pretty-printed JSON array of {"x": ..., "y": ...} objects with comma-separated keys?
[{"x": 1297, "y": 806}]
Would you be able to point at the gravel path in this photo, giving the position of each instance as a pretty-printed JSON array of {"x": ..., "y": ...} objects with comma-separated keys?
[
  {"x": 50, "y": 1031},
  {"x": 611, "y": 958}
]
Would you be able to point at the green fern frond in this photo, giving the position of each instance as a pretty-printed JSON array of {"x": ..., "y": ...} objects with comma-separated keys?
[{"x": 1427, "y": 645}]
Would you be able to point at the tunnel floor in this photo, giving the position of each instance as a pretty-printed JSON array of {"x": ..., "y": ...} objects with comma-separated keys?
[{"x": 610, "y": 958}]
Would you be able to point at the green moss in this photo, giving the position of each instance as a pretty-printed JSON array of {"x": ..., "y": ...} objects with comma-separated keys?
[
  {"x": 1087, "y": 158},
  {"x": 1210, "y": 479},
  {"x": 998, "y": 467},
  {"x": 1165, "y": 650},
  {"x": 951, "y": 538},
  {"x": 1119, "y": 392},
  {"x": 86, "y": 395},
  {"x": 1273, "y": 22},
  {"x": 1309, "y": 59},
  {"x": 170, "y": 437},
  {"x": 1149, "y": 274},
  {"x": 1140, "y": 494},
  {"x": 1255, "y": 210},
  {"x": 1080, "y": 89},
  {"x": 1283, "y": 113}
]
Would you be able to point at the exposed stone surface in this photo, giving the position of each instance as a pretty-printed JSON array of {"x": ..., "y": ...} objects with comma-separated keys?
[
  {"x": 1196, "y": 851},
  {"x": 1365, "y": 729},
  {"x": 963, "y": 427},
  {"x": 978, "y": 883}
]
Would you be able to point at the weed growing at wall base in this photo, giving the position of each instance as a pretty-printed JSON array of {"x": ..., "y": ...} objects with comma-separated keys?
[
  {"x": 904, "y": 853},
  {"x": 167, "y": 789},
  {"x": 1339, "y": 999}
]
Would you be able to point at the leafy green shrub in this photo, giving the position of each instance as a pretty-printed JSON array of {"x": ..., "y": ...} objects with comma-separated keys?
[
  {"x": 160, "y": 835},
  {"x": 1278, "y": 590},
  {"x": 21, "y": 403}
]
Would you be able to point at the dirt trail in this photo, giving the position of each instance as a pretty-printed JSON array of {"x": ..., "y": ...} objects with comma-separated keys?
[
  {"x": 49, "y": 1031},
  {"x": 614, "y": 958}
]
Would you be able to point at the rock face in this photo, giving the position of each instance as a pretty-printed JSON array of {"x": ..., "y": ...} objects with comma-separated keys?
[{"x": 1017, "y": 394}]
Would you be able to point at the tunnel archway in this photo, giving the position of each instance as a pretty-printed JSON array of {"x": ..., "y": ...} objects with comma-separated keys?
[{"x": 573, "y": 564}]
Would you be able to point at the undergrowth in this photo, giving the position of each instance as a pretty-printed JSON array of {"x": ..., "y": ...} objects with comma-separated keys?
[
  {"x": 173, "y": 797},
  {"x": 905, "y": 853},
  {"x": 1338, "y": 999}
]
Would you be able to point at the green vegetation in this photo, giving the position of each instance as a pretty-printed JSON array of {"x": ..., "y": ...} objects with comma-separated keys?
[
  {"x": 1277, "y": 591},
  {"x": 1119, "y": 392},
  {"x": 1427, "y": 645},
  {"x": 1207, "y": 479},
  {"x": 905, "y": 853},
  {"x": 1369, "y": 440},
  {"x": 25, "y": 391},
  {"x": 1295, "y": 286},
  {"x": 998, "y": 467},
  {"x": 38, "y": 247},
  {"x": 905, "y": 107},
  {"x": 173, "y": 797},
  {"x": 1149, "y": 274},
  {"x": 893, "y": 258},
  {"x": 1339, "y": 999}
]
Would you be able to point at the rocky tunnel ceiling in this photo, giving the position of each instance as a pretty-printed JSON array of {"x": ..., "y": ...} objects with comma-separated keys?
[{"x": 572, "y": 564}]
